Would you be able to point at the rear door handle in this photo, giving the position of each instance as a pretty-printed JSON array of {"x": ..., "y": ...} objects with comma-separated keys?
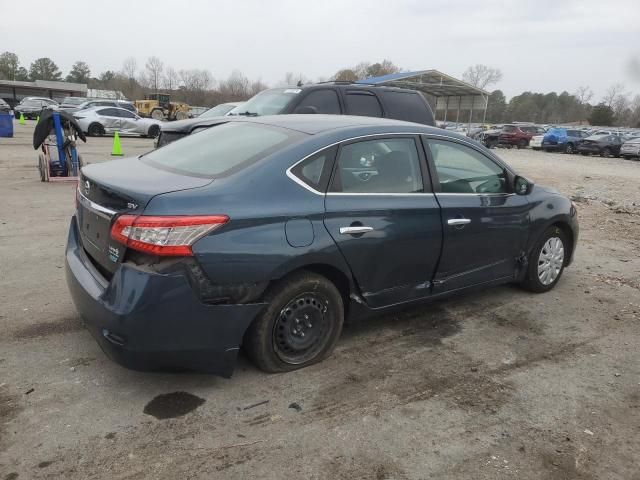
[
  {"x": 355, "y": 230},
  {"x": 458, "y": 221}
]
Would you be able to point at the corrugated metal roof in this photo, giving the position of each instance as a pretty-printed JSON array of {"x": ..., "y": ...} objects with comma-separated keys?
[
  {"x": 46, "y": 84},
  {"x": 431, "y": 82}
]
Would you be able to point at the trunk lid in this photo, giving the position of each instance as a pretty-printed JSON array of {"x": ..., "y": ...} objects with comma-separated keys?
[{"x": 108, "y": 189}]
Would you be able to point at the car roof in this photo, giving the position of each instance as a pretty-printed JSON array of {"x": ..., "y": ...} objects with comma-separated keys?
[{"x": 318, "y": 123}]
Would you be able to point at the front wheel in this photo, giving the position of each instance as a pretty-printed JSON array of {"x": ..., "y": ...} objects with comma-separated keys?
[
  {"x": 154, "y": 131},
  {"x": 569, "y": 148},
  {"x": 546, "y": 261},
  {"x": 605, "y": 152},
  {"x": 299, "y": 327}
]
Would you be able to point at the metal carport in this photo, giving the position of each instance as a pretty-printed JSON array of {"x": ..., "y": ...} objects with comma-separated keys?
[{"x": 444, "y": 92}]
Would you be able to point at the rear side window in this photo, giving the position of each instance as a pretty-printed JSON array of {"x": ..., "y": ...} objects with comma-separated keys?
[
  {"x": 378, "y": 166},
  {"x": 407, "y": 106},
  {"x": 221, "y": 150},
  {"x": 322, "y": 101},
  {"x": 364, "y": 104}
]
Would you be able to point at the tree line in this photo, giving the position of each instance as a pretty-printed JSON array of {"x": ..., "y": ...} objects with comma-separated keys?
[{"x": 199, "y": 87}]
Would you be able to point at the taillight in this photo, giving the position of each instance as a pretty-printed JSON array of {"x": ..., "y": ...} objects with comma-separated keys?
[{"x": 165, "y": 236}]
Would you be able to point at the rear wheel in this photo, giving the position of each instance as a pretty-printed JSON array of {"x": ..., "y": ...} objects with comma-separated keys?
[
  {"x": 43, "y": 168},
  {"x": 522, "y": 144},
  {"x": 546, "y": 261},
  {"x": 299, "y": 327},
  {"x": 95, "y": 130}
]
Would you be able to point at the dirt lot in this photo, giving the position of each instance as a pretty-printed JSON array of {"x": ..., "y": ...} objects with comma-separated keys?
[{"x": 500, "y": 384}]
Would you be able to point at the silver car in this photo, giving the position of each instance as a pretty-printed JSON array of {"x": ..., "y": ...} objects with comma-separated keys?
[{"x": 99, "y": 121}]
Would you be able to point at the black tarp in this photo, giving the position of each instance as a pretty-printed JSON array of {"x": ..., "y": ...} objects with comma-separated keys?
[{"x": 45, "y": 126}]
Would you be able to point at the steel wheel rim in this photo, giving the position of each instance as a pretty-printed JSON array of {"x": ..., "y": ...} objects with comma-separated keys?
[
  {"x": 550, "y": 260},
  {"x": 301, "y": 330}
]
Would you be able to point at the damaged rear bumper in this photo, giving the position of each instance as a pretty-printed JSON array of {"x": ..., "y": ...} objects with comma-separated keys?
[{"x": 149, "y": 321}]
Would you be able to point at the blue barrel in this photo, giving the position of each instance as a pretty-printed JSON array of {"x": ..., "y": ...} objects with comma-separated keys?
[{"x": 6, "y": 125}]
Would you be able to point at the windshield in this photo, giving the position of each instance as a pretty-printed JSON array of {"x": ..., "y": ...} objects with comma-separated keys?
[
  {"x": 221, "y": 150},
  {"x": 268, "y": 102},
  {"x": 218, "y": 110}
]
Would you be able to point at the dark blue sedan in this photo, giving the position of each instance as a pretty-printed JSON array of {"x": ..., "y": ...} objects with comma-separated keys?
[{"x": 267, "y": 232}]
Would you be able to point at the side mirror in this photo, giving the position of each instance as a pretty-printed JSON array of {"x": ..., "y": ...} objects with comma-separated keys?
[
  {"x": 306, "y": 110},
  {"x": 522, "y": 186}
]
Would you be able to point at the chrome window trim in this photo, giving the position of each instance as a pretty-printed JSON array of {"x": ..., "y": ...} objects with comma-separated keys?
[
  {"x": 313, "y": 190},
  {"x": 99, "y": 209},
  {"x": 501, "y": 194}
]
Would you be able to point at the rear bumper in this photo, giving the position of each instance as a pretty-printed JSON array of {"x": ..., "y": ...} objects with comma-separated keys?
[{"x": 149, "y": 321}]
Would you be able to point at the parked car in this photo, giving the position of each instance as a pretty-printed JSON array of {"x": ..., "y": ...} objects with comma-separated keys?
[
  {"x": 4, "y": 107},
  {"x": 267, "y": 232},
  {"x": 603, "y": 145},
  {"x": 221, "y": 110},
  {"x": 72, "y": 102},
  {"x": 518, "y": 135},
  {"x": 536, "y": 142},
  {"x": 104, "y": 103},
  {"x": 337, "y": 98},
  {"x": 630, "y": 149},
  {"x": 490, "y": 138},
  {"x": 31, "y": 107},
  {"x": 99, "y": 121},
  {"x": 563, "y": 139}
]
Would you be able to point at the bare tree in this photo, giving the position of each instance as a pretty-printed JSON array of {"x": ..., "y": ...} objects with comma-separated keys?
[
  {"x": 612, "y": 94},
  {"x": 256, "y": 87},
  {"x": 171, "y": 79},
  {"x": 482, "y": 76},
  {"x": 129, "y": 68},
  {"x": 584, "y": 94},
  {"x": 236, "y": 87},
  {"x": 154, "y": 67}
]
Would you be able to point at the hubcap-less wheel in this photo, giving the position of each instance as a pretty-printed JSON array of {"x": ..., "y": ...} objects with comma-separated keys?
[
  {"x": 300, "y": 331},
  {"x": 550, "y": 261}
]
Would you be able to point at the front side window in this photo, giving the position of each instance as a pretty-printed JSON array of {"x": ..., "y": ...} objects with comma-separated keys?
[
  {"x": 387, "y": 165},
  {"x": 364, "y": 104},
  {"x": 321, "y": 101},
  {"x": 462, "y": 169},
  {"x": 222, "y": 149},
  {"x": 108, "y": 112},
  {"x": 125, "y": 113}
]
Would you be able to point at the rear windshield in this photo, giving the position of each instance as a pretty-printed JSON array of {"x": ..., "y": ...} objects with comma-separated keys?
[
  {"x": 218, "y": 110},
  {"x": 222, "y": 149}
]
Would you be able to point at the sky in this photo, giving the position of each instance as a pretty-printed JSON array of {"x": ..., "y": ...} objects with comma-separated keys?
[{"x": 539, "y": 45}]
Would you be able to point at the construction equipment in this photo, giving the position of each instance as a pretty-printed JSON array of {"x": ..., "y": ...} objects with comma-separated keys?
[
  {"x": 55, "y": 136},
  {"x": 160, "y": 107}
]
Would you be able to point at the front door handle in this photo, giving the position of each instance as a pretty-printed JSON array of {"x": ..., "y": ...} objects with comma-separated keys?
[
  {"x": 458, "y": 221},
  {"x": 359, "y": 230}
]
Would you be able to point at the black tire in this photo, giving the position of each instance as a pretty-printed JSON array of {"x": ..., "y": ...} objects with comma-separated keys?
[
  {"x": 532, "y": 281},
  {"x": 605, "y": 152},
  {"x": 154, "y": 131},
  {"x": 275, "y": 340},
  {"x": 569, "y": 148},
  {"x": 584, "y": 153},
  {"x": 41, "y": 167},
  {"x": 522, "y": 144},
  {"x": 95, "y": 130}
]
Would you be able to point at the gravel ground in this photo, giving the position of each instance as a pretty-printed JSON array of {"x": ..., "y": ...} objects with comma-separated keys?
[{"x": 498, "y": 384}]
